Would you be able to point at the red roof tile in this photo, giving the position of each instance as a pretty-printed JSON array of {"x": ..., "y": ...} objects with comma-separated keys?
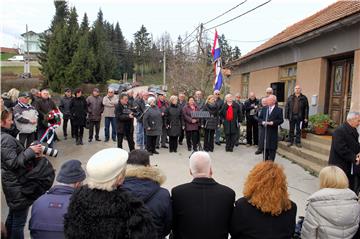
[{"x": 332, "y": 13}]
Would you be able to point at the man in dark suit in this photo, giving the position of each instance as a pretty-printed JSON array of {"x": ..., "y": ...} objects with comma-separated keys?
[
  {"x": 202, "y": 208},
  {"x": 270, "y": 117},
  {"x": 345, "y": 150}
]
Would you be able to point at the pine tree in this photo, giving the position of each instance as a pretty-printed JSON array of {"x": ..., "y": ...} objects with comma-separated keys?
[
  {"x": 226, "y": 49},
  {"x": 142, "y": 47},
  {"x": 73, "y": 32},
  {"x": 119, "y": 51},
  {"x": 236, "y": 53},
  {"x": 129, "y": 60},
  {"x": 84, "y": 27}
]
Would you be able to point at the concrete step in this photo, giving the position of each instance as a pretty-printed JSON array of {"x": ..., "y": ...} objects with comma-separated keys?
[
  {"x": 307, "y": 154},
  {"x": 309, "y": 165},
  {"x": 322, "y": 139},
  {"x": 316, "y": 146}
]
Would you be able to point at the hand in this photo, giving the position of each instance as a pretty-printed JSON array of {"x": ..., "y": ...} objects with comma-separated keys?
[
  {"x": 305, "y": 120},
  {"x": 271, "y": 123},
  {"x": 193, "y": 121},
  {"x": 357, "y": 159},
  {"x": 33, "y": 121},
  {"x": 131, "y": 116},
  {"x": 162, "y": 114},
  {"x": 148, "y": 128},
  {"x": 36, "y": 148},
  {"x": 202, "y": 126}
]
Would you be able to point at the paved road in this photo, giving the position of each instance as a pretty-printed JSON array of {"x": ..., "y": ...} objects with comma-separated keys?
[{"x": 229, "y": 169}]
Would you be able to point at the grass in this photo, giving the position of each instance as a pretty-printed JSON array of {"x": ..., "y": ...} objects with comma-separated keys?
[
  {"x": 19, "y": 70},
  {"x": 153, "y": 79},
  {"x": 5, "y": 56}
]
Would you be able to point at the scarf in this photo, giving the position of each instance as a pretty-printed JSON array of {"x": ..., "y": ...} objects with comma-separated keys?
[
  {"x": 229, "y": 113},
  {"x": 27, "y": 106}
]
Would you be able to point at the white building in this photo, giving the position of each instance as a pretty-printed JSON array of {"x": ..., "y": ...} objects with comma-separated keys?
[{"x": 31, "y": 39}]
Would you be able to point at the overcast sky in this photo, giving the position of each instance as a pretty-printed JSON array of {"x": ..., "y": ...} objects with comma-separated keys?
[{"x": 177, "y": 17}]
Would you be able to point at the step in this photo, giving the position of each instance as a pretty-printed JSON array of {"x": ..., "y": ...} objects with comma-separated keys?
[
  {"x": 308, "y": 165},
  {"x": 307, "y": 154},
  {"x": 322, "y": 139},
  {"x": 316, "y": 146}
]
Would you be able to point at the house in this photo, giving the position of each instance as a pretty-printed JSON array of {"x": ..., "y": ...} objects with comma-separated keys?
[
  {"x": 31, "y": 40},
  {"x": 9, "y": 50},
  {"x": 321, "y": 53}
]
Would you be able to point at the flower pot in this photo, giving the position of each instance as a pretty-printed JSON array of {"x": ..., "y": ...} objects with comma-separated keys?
[
  {"x": 321, "y": 130},
  {"x": 303, "y": 134}
]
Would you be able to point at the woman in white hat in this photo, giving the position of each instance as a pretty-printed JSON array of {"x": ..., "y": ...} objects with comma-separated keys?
[{"x": 102, "y": 209}]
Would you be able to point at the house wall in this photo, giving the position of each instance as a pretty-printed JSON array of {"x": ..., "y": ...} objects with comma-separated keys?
[
  {"x": 235, "y": 83},
  {"x": 260, "y": 80}
]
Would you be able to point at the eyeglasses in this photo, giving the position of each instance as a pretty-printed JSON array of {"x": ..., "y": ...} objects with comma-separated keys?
[{"x": 217, "y": 94}]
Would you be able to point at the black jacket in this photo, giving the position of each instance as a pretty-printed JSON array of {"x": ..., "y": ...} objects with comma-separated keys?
[
  {"x": 140, "y": 107},
  {"x": 214, "y": 121},
  {"x": 344, "y": 148},
  {"x": 44, "y": 106},
  {"x": 99, "y": 214},
  {"x": 124, "y": 123},
  {"x": 231, "y": 127},
  {"x": 144, "y": 183},
  {"x": 64, "y": 107},
  {"x": 173, "y": 120},
  {"x": 271, "y": 130},
  {"x": 249, "y": 105},
  {"x": 23, "y": 178},
  {"x": 303, "y": 107},
  {"x": 78, "y": 109},
  {"x": 202, "y": 209},
  {"x": 248, "y": 222}
]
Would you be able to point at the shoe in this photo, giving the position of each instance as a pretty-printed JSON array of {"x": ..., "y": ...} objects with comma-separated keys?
[
  {"x": 65, "y": 137},
  {"x": 217, "y": 143},
  {"x": 77, "y": 142},
  {"x": 164, "y": 147},
  {"x": 180, "y": 143},
  {"x": 89, "y": 140},
  {"x": 189, "y": 149},
  {"x": 175, "y": 151},
  {"x": 248, "y": 145},
  {"x": 298, "y": 145},
  {"x": 98, "y": 140},
  {"x": 289, "y": 144},
  {"x": 258, "y": 152},
  {"x": 114, "y": 140},
  {"x": 231, "y": 150},
  {"x": 237, "y": 144},
  {"x": 157, "y": 147},
  {"x": 155, "y": 152},
  {"x": 81, "y": 142},
  {"x": 106, "y": 140}
]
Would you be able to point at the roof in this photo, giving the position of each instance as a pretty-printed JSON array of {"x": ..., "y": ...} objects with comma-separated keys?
[
  {"x": 334, "y": 12},
  {"x": 9, "y": 50},
  {"x": 30, "y": 33}
]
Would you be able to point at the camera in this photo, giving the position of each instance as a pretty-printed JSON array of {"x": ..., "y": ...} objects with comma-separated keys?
[{"x": 46, "y": 150}]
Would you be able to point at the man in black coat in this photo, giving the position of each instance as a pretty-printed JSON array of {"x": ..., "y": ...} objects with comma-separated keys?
[
  {"x": 231, "y": 115},
  {"x": 270, "y": 117},
  {"x": 202, "y": 208},
  {"x": 124, "y": 122},
  {"x": 251, "y": 106},
  {"x": 297, "y": 112},
  {"x": 345, "y": 150}
]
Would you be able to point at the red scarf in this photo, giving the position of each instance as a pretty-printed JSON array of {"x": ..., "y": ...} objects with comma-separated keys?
[{"x": 229, "y": 113}]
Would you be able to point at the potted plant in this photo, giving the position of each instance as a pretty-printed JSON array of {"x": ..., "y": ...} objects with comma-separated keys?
[{"x": 320, "y": 123}]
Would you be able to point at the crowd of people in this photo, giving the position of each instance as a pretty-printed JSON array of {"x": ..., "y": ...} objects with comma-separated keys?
[{"x": 120, "y": 194}]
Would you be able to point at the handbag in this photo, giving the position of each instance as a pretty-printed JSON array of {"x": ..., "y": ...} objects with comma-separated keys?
[{"x": 87, "y": 123}]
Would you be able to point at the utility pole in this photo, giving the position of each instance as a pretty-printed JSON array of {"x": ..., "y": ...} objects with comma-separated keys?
[
  {"x": 27, "y": 55},
  {"x": 200, "y": 51},
  {"x": 164, "y": 70}
]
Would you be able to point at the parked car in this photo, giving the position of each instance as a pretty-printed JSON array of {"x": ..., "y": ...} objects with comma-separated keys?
[
  {"x": 16, "y": 58},
  {"x": 154, "y": 88},
  {"x": 119, "y": 88}
]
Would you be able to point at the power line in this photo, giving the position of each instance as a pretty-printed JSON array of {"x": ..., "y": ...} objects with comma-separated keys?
[
  {"x": 190, "y": 34},
  {"x": 225, "y": 12},
  {"x": 234, "y": 18}
]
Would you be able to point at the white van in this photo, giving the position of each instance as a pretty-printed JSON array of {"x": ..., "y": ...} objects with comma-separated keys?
[{"x": 16, "y": 58}]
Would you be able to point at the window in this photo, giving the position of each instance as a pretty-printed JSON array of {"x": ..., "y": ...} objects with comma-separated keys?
[
  {"x": 245, "y": 85},
  {"x": 288, "y": 76}
]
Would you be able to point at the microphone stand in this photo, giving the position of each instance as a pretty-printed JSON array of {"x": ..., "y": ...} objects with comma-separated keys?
[{"x": 265, "y": 134}]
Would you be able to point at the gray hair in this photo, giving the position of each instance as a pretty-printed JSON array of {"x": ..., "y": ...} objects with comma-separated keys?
[
  {"x": 151, "y": 100},
  {"x": 352, "y": 115},
  {"x": 269, "y": 89},
  {"x": 200, "y": 164}
]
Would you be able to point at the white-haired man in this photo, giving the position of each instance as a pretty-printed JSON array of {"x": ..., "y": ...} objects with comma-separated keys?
[
  {"x": 202, "y": 208},
  {"x": 270, "y": 117},
  {"x": 345, "y": 150}
]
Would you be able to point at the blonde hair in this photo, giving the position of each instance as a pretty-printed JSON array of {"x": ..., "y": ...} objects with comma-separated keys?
[
  {"x": 13, "y": 94},
  {"x": 106, "y": 186},
  {"x": 172, "y": 98},
  {"x": 333, "y": 177},
  {"x": 208, "y": 98}
]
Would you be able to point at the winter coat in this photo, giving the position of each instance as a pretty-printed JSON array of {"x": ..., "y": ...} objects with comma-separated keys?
[
  {"x": 144, "y": 183},
  {"x": 214, "y": 121},
  {"x": 44, "y": 106},
  {"x": 250, "y": 110},
  {"x": 249, "y": 222},
  {"x": 186, "y": 114},
  {"x": 303, "y": 107},
  {"x": 202, "y": 209},
  {"x": 95, "y": 107},
  {"x": 200, "y": 103},
  {"x": 344, "y": 148},
  {"x": 173, "y": 120},
  {"x": 23, "y": 114},
  {"x": 64, "y": 107},
  {"x": 47, "y": 214},
  {"x": 109, "y": 105},
  {"x": 220, "y": 103},
  {"x": 78, "y": 108},
  {"x": 231, "y": 127},
  {"x": 140, "y": 106},
  {"x": 271, "y": 130},
  {"x": 23, "y": 178},
  {"x": 331, "y": 213},
  {"x": 124, "y": 123},
  {"x": 100, "y": 214},
  {"x": 153, "y": 121}
]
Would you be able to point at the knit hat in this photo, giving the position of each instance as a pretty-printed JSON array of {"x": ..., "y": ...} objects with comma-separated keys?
[
  {"x": 25, "y": 94},
  {"x": 106, "y": 164},
  {"x": 71, "y": 172}
]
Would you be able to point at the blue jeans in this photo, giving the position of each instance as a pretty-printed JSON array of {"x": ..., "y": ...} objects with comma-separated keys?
[
  {"x": 15, "y": 223},
  {"x": 217, "y": 134},
  {"x": 140, "y": 135},
  {"x": 108, "y": 121}
]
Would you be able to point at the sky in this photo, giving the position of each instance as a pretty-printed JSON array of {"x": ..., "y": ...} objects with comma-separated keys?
[{"x": 176, "y": 17}]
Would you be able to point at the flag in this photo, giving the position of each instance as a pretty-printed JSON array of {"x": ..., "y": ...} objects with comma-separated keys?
[{"x": 216, "y": 52}]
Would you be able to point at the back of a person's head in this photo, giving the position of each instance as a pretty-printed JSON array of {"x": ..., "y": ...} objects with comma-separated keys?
[
  {"x": 333, "y": 177},
  {"x": 200, "y": 164},
  {"x": 139, "y": 157},
  {"x": 266, "y": 188}
]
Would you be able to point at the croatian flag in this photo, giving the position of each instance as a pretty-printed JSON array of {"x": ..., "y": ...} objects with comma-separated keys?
[{"x": 216, "y": 52}]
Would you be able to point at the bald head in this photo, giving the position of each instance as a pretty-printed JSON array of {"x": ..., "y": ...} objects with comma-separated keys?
[
  {"x": 200, "y": 165},
  {"x": 252, "y": 95},
  {"x": 297, "y": 90}
]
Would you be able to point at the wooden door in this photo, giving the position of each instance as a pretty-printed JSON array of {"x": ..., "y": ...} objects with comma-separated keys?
[{"x": 340, "y": 89}]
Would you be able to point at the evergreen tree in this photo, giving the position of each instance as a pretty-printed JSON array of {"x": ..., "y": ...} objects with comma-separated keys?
[
  {"x": 129, "y": 60},
  {"x": 142, "y": 47},
  {"x": 119, "y": 51},
  {"x": 236, "y": 53},
  {"x": 84, "y": 27},
  {"x": 73, "y": 33},
  {"x": 226, "y": 49}
]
